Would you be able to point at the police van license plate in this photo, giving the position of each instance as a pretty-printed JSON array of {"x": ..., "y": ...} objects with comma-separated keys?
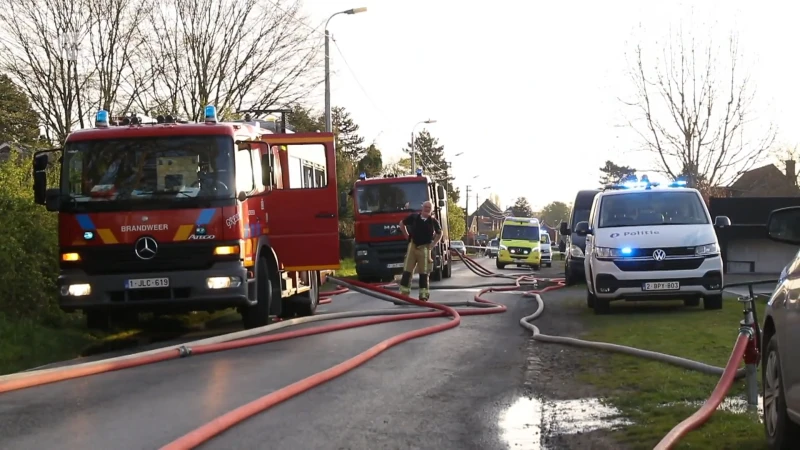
[
  {"x": 394, "y": 265},
  {"x": 145, "y": 283},
  {"x": 662, "y": 286}
]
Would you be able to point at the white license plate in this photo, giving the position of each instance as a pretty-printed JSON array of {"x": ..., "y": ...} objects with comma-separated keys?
[
  {"x": 145, "y": 283},
  {"x": 662, "y": 286},
  {"x": 394, "y": 266}
]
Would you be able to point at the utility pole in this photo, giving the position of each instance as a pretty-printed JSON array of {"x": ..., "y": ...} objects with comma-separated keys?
[
  {"x": 328, "y": 124},
  {"x": 466, "y": 211}
]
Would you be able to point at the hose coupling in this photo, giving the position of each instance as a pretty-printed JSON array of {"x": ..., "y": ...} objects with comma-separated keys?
[
  {"x": 748, "y": 330},
  {"x": 184, "y": 351}
]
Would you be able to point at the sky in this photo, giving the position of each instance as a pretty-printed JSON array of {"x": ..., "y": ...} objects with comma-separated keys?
[{"x": 529, "y": 92}]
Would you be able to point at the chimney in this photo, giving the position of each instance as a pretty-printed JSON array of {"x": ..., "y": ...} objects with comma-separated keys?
[{"x": 791, "y": 173}]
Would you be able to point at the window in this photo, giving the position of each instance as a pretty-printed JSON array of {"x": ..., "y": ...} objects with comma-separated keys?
[
  {"x": 162, "y": 171},
  {"x": 244, "y": 171},
  {"x": 307, "y": 166},
  {"x": 652, "y": 208},
  {"x": 391, "y": 197},
  {"x": 518, "y": 232}
]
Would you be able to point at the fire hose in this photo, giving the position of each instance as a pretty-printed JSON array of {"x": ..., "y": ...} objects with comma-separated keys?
[{"x": 445, "y": 309}]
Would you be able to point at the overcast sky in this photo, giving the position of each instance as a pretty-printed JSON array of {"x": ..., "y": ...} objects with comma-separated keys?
[{"x": 528, "y": 91}]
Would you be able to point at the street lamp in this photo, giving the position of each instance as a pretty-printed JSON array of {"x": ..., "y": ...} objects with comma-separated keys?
[
  {"x": 413, "y": 150},
  {"x": 328, "y": 125}
]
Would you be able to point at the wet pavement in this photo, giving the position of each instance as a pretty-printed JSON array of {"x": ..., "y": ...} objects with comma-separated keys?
[{"x": 465, "y": 388}]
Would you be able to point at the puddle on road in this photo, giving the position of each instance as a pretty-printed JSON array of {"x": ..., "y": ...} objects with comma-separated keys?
[
  {"x": 736, "y": 405},
  {"x": 528, "y": 422}
]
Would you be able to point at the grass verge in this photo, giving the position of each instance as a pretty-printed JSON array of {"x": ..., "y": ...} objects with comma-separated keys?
[
  {"x": 348, "y": 268},
  {"x": 656, "y": 396}
]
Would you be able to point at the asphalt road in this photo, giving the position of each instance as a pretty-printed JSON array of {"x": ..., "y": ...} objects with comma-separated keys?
[{"x": 445, "y": 391}]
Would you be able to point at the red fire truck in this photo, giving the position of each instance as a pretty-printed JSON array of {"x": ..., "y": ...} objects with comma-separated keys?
[
  {"x": 379, "y": 206},
  {"x": 175, "y": 216}
]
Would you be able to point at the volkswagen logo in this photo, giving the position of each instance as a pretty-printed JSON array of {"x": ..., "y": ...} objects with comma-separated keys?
[
  {"x": 146, "y": 248},
  {"x": 659, "y": 255}
]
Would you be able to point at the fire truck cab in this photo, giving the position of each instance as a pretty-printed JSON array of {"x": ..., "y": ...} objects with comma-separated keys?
[{"x": 172, "y": 217}]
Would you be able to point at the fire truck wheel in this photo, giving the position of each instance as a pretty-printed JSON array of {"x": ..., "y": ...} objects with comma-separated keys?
[
  {"x": 98, "y": 319},
  {"x": 305, "y": 304},
  {"x": 448, "y": 269},
  {"x": 258, "y": 315},
  {"x": 436, "y": 274}
]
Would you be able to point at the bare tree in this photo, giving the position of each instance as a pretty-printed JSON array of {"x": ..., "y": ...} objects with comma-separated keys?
[
  {"x": 119, "y": 51},
  {"x": 40, "y": 53},
  {"x": 693, "y": 112},
  {"x": 230, "y": 53}
]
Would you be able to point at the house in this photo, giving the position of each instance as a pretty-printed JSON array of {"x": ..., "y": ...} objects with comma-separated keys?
[
  {"x": 766, "y": 181},
  {"x": 487, "y": 220},
  {"x": 748, "y": 201}
]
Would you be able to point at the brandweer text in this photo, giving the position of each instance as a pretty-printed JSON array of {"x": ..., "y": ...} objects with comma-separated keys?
[{"x": 149, "y": 227}]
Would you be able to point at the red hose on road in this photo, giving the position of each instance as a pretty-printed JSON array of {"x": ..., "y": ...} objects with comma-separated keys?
[
  {"x": 717, "y": 396},
  {"x": 211, "y": 429}
]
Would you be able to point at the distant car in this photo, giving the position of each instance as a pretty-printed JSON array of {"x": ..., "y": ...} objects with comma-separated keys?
[
  {"x": 780, "y": 355},
  {"x": 491, "y": 249},
  {"x": 459, "y": 247}
]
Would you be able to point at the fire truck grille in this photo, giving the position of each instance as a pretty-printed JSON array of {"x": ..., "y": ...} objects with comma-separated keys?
[{"x": 113, "y": 259}]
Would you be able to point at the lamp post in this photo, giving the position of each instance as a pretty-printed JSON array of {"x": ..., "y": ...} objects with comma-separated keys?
[
  {"x": 413, "y": 150},
  {"x": 328, "y": 125}
]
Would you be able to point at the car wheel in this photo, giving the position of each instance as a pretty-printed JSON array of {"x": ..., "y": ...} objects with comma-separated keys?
[
  {"x": 499, "y": 264},
  {"x": 781, "y": 432}
]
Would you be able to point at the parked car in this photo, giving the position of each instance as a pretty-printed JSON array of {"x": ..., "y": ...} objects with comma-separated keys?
[
  {"x": 780, "y": 355},
  {"x": 491, "y": 249},
  {"x": 459, "y": 247}
]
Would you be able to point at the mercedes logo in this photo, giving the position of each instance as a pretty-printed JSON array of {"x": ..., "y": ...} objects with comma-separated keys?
[
  {"x": 145, "y": 218},
  {"x": 146, "y": 248},
  {"x": 659, "y": 255}
]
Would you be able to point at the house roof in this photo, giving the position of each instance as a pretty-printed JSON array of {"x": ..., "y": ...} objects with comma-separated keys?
[
  {"x": 764, "y": 181},
  {"x": 488, "y": 209}
]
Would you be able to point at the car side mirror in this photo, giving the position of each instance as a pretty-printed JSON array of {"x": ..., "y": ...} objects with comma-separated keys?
[
  {"x": 242, "y": 196},
  {"x": 440, "y": 191},
  {"x": 564, "y": 229},
  {"x": 441, "y": 203},
  {"x": 582, "y": 228},
  {"x": 40, "y": 163},
  {"x": 722, "y": 221},
  {"x": 342, "y": 202},
  {"x": 783, "y": 225},
  {"x": 543, "y": 240}
]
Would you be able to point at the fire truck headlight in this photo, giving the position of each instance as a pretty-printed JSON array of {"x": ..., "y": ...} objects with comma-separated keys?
[
  {"x": 223, "y": 282},
  {"x": 76, "y": 290},
  {"x": 226, "y": 250},
  {"x": 70, "y": 257}
]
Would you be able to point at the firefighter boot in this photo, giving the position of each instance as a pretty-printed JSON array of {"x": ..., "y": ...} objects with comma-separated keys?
[
  {"x": 424, "y": 292},
  {"x": 405, "y": 283}
]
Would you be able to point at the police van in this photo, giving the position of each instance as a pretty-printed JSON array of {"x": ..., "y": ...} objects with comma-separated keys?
[{"x": 646, "y": 242}]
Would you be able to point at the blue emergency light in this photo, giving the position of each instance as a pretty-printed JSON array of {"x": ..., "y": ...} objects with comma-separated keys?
[
  {"x": 362, "y": 176},
  {"x": 211, "y": 114},
  {"x": 678, "y": 183},
  {"x": 419, "y": 171},
  {"x": 627, "y": 251},
  {"x": 101, "y": 119}
]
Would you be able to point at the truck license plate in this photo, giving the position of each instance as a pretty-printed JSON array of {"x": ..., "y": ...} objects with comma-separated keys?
[
  {"x": 394, "y": 265},
  {"x": 144, "y": 283},
  {"x": 662, "y": 286}
]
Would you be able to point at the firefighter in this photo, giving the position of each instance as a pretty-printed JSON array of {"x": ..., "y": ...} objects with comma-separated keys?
[{"x": 423, "y": 233}]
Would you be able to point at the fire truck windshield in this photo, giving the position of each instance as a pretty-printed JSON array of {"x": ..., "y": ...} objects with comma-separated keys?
[
  {"x": 159, "y": 172},
  {"x": 391, "y": 197}
]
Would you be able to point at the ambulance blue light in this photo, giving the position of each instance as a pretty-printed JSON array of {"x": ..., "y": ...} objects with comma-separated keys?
[
  {"x": 101, "y": 120},
  {"x": 627, "y": 251},
  {"x": 362, "y": 176},
  {"x": 678, "y": 183},
  {"x": 211, "y": 114},
  {"x": 419, "y": 171}
]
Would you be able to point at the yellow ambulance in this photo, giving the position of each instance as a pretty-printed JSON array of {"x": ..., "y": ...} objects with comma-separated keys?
[{"x": 519, "y": 243}]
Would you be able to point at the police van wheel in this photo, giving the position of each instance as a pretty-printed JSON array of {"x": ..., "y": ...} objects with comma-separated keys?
[
  {"x": 258, "y": 315},
  {"x": 601, "y": 306},
  {"x": 712, "y": 302},
  {"x": 693, "y": 301},
  {"x": 305, "y": 304}
]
